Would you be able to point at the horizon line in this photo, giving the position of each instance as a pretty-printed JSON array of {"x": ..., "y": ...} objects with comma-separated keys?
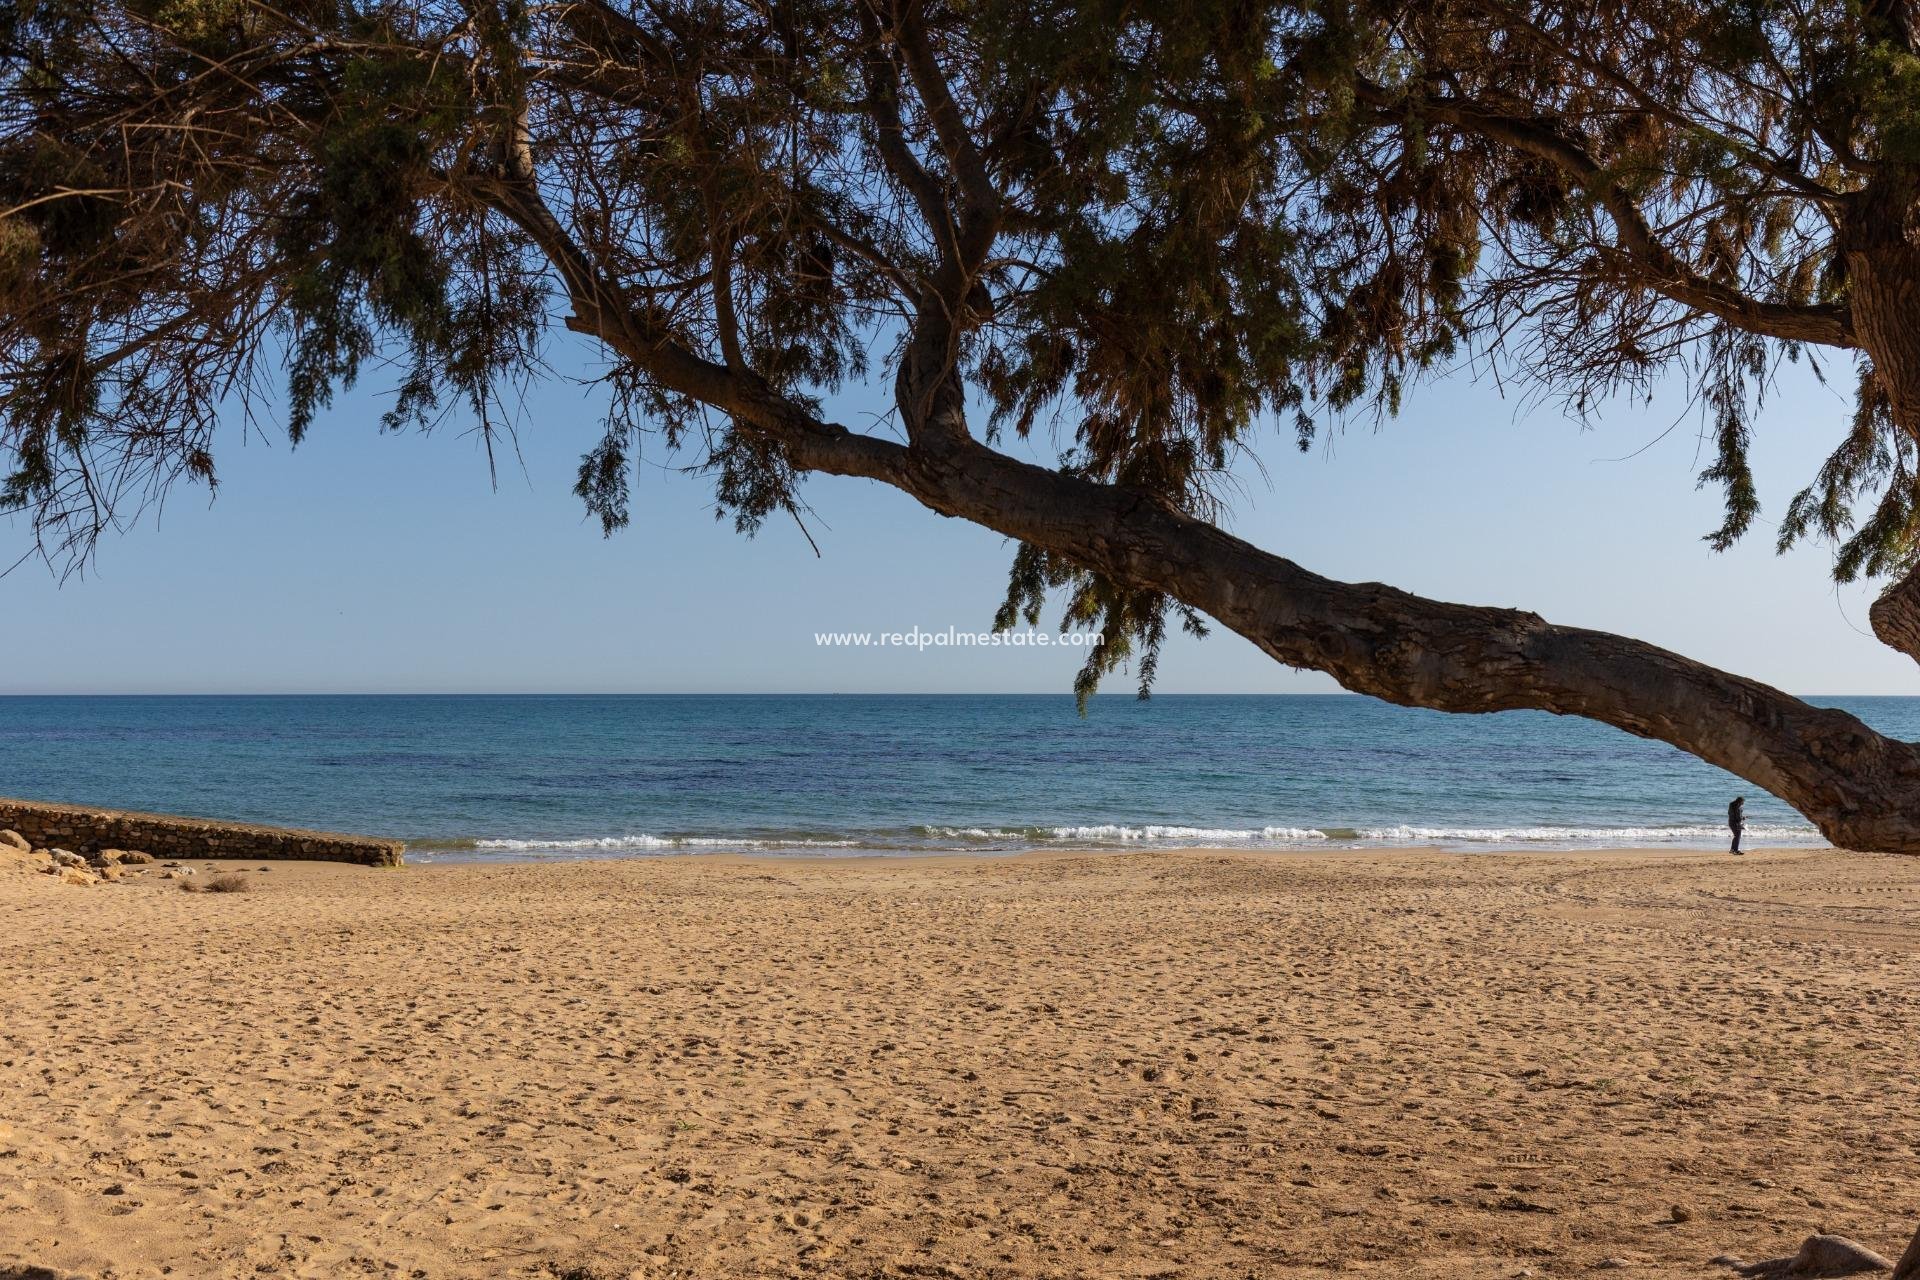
[{"x": 757, "y": 693}]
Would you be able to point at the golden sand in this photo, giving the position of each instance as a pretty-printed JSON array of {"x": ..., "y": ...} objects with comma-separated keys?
[{"x": 1180, "y": 1065}]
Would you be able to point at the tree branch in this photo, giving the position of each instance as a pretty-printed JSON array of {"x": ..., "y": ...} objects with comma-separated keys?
[
  {"x": 1775, "y": 166},
  {"x": 963, "y": 155},
  {"x": 1655, "y": 265},
  {"x": 636, "y": 333},
  {"x": 883, "y": 107}
]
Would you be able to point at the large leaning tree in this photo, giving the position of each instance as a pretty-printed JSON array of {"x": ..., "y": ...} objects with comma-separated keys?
[{"x": 1142, "y": 231}]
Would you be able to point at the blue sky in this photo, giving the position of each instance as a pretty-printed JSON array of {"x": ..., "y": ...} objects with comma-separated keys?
[{"x": 362, "y": 562}]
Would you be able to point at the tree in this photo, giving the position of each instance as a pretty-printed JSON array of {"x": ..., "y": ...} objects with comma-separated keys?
[{"x": 1148, "y": 230}]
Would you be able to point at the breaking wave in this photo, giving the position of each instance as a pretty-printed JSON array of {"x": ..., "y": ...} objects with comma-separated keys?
[
  {"x": 649, "y": 844},
  {"x": 1628, "y": 836},
  {"x": 1162, "y": 834},
  {"x": 930, "y": 838}
]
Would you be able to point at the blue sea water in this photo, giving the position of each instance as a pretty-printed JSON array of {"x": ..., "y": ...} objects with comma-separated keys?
[{"x": 592, "y": 776}]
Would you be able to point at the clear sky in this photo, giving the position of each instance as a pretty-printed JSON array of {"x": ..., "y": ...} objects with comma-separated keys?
[{"x": 362, "y": 562}]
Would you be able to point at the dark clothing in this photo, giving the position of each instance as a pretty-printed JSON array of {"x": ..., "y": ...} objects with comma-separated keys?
[{"x": 1736, "y": 819}]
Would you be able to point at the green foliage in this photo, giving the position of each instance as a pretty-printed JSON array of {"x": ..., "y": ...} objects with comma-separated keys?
[
  {"x": 1876, "y": 455},
  {"x": 1130, "y": 622},
  {"x": 1735, "y": 361},
  {"x": 1206, "y": 220}
]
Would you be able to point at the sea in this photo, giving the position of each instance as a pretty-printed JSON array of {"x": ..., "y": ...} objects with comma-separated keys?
[{"x": 529, "y": 777}]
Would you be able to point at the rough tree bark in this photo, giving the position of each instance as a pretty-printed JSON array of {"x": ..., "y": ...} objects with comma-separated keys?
[
  {"x": 1908, "y": 1268},
  {"x": 1879, "y": 243}
]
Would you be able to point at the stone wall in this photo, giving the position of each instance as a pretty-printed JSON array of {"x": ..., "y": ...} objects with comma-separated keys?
[{"x": 83, "y": 830}]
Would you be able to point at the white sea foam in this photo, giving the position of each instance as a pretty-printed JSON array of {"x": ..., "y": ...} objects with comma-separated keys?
[
  {"x": 1412, "y": 834},
  {"x": 1116, "y": 831},
  {"x": 1585, "y": 835},
  {"x": 642, "y": 843},
  {"x": 924, "y": 837}
]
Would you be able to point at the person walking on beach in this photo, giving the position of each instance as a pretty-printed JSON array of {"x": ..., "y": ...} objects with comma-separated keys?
[{"x": 1736, "y": 819}]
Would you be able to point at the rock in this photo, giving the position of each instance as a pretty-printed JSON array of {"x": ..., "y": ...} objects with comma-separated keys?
[
  {"x": 1828, "y": 1255},
  {"x": 131, "y": 856},
  {"x": 76, "y": 875},
  {"x": 67, "y": 858},
  {"x": 104, "y": 858},
  {"x": 14, "y": 840},
  {"x": 1822, "y": 1255},
  {"x": 1680, "y": 1213},
  {"x": 14, "y": 1272},
  {"x": 111, "y": 873}
]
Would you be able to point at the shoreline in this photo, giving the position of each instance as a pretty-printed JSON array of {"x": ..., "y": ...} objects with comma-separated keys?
[{"x": 461, "y": 858}]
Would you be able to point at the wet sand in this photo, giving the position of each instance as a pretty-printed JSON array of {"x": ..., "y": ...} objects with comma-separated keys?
[{"x": 1196, "y": 1064}]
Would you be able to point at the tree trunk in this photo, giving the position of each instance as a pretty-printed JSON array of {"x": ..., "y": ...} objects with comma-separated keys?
[
  {"x": 1908, "y": 1268},
  {"x": 1880, "y": 245}
]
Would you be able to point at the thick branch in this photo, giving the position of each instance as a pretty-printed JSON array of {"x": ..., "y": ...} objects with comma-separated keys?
[
  {"x": 1856, "y": 785},
  {"x": 927, "y": 388}
]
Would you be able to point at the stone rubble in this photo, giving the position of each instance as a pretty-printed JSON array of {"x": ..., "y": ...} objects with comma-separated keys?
[{"x": 103, "y": 866}]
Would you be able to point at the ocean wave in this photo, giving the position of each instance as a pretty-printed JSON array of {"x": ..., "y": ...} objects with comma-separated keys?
[
  {"x": 1572, "y": 835},
  {"x": 977, "y": 833},
  {"x": 1122, "y": 833},
  {"x": 1126, "y": 834},
  {"x": 643, "y": 843},
  {"x": 928, "y": 838}
]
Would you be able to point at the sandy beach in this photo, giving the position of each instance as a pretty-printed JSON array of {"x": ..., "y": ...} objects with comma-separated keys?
[{"x": 1198, "y": 1064}]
